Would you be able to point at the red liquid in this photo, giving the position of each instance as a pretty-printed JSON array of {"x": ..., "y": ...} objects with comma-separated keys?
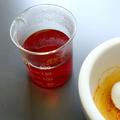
[{"x": 49, "y": 70}]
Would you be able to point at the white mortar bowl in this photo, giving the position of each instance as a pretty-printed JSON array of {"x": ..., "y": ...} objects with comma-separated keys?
[{"x": 103, "y": 57}]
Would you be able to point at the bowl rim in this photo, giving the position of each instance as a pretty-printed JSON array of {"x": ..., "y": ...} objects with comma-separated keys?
[{"x": 84, "y": 75}]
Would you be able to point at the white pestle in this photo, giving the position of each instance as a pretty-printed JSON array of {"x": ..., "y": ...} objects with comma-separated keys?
[{"x": 115, "y": 94}]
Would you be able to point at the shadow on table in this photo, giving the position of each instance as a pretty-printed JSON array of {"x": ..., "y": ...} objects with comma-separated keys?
[{"x": 60, "y": 103}]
